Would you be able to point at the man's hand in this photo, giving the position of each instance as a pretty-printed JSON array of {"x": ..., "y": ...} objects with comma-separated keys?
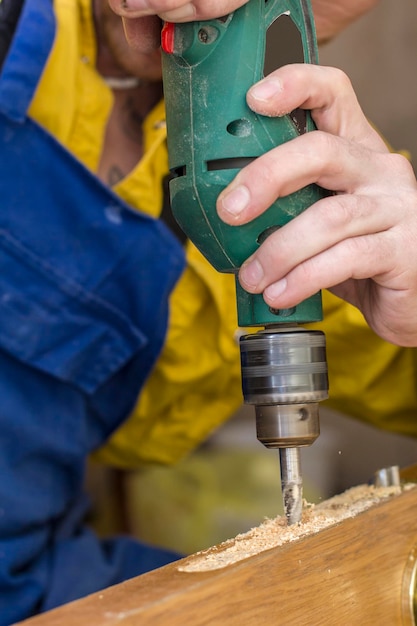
[
  {"x": 361, "y": 241},
  {"x": 139, "y": 15}
]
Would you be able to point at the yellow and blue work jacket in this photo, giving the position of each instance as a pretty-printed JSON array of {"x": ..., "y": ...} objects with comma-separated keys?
[{"x": 109, "y": 333}]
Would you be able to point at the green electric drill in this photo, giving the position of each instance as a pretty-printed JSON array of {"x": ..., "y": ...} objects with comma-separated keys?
[{"x": 208, "y": 67}]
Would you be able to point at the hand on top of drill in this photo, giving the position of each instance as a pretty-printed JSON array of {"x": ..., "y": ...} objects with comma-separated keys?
[
  {"x": 140, "y": 17},
  {"x": 361, "y": 242}
]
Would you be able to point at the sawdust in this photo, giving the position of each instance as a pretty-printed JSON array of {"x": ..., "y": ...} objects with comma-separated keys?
[{"x": 275, "y": 532}]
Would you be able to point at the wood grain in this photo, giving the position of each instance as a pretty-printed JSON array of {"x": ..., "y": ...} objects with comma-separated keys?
[{"x": 356, "y": 572}]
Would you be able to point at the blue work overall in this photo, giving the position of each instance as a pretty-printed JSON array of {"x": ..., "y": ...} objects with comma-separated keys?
[{"x": 84, "y": 286}]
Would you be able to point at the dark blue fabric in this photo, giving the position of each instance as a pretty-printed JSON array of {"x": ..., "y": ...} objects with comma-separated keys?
[
  {"x": 84, "y": 286},
  {"x": 26, "y": 58},
  {"x": 9, "y": 17}
]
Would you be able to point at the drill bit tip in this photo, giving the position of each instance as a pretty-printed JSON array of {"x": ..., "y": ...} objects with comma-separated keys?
[
  {"x": 293, "y": 502},
  {"x": 292, "y": 484}
]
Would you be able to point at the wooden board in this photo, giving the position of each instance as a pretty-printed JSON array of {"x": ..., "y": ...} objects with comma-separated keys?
[{"x": 357, "y": 572}]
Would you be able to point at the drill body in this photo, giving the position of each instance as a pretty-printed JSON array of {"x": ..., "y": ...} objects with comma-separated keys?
[{"x": 208, "y": 67}]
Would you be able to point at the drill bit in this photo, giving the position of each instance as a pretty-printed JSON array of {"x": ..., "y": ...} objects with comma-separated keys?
[
  {"x": 291, "y": 483},
  {"x": 284, "y": 375}
]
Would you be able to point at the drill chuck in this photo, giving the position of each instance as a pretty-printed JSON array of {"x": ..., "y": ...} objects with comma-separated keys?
[
  {"x": 287, "y": 425},
  {"x": 284, "y": 374}
]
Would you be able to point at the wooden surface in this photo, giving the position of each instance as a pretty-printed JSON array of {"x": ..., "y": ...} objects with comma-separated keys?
[{"x": 354, "y": 573}]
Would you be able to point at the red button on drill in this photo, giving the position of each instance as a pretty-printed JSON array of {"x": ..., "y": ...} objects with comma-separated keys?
[{"x": 167, "y": 37}]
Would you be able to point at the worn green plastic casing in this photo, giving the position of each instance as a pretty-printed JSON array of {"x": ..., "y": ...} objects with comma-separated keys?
[{"x": 208, "y": 67}]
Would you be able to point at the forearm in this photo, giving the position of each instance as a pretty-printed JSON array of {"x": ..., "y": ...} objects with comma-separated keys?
[{"x": 333, "y": 17}]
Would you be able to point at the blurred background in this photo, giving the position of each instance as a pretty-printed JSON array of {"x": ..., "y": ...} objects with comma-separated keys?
[
  {"x": 232, "y": 483},
  {"x": 379, "y": 53}
]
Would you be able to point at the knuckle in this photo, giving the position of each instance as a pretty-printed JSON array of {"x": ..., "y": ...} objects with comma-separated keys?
[
  {"x": 398, "y": 163},
  {"x": 340, "y": 80},
  {"x": 268, "y": 173},
  {"x": 322, "y": 151},
  {"x": 343, "y": 210},
  {"x": 359, "y": 250},
  {"x": 322, "y": 145},
  {"x": 307, "y": 273}
]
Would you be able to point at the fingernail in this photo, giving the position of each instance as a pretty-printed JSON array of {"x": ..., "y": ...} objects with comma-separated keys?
[
  {"x": 236, "y": 200},
  {"x": 276, "y": 289},
  {"x": 266, "y": 89},
  {"x": 251, "y": 273}
]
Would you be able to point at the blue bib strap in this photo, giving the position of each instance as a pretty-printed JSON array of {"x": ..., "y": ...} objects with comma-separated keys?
[
  {"x": 26, "y": 58},
  {"x": 84, "y": 292},
  {"x": 84, "y": 279},
  {"x": 84, "y": 289}
]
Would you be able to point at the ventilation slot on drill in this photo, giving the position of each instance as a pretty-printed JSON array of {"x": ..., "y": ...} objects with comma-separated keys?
[
  {"x": 177, "y": 172},
  {"x": 284, "y": 45},
  {"x": 235, "y": 163}
]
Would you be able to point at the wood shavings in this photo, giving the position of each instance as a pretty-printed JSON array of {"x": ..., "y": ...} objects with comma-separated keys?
[{"x": 275, "y": 532}]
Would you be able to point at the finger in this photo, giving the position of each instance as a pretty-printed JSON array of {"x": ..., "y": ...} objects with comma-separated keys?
[
  {"x": 170, "y": 11},
  {"x": 176, "y": 10},
  {"x": 352, "y": 259},
  {"x": 326, "y": 91},
  {"x": 142, "y": 8},
  {"x": 203, "y": 10},
  {"x": 143, "y": 34},
  {"x": 320, "y": 228},
  {"x": 332, "y": 162}
]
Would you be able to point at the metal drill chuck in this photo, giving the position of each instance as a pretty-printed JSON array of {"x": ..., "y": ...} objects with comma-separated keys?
[{"x": 284, "y": 374}]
